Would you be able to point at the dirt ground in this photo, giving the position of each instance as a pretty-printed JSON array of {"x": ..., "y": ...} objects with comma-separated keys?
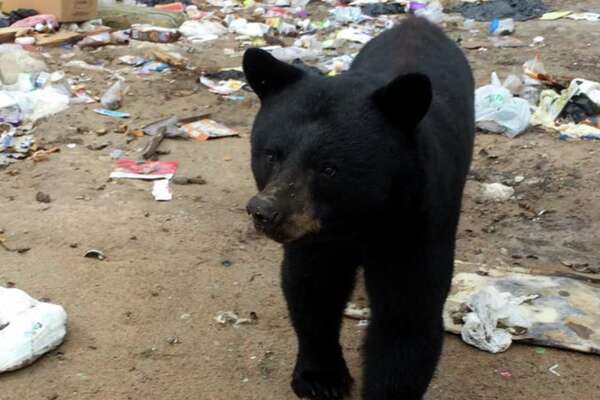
[{"x": 172, "y": 266}]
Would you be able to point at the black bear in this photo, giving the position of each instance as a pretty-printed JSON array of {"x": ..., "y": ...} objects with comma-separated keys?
[{"x": 365, "y": 169}]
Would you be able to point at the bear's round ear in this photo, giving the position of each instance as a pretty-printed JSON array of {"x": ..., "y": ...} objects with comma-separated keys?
[
  {"x": 405, "y": 100},
  {"x": 266, "y": 74}
]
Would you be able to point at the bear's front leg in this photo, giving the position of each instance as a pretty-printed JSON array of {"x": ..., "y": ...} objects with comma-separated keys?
[
  {"x": 317, "y": 280},
  {"x": 405, "y": 335}
]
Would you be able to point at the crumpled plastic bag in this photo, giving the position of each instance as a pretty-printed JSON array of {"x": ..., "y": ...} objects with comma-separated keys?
[
  {"x": 497, "y": 110},
  {"x": 241, "y": 26},
  {"x": 14, "y": 60},
  {"x": 202, "y": 31},
  {"x": 40, "y": 103},
  {"x": 490, "y": 309},
  {"x": 28, "y": 328}
]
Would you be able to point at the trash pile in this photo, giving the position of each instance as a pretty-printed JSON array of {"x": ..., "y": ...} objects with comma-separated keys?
[
  {"x": 158, "y": 34},
  {"x": 536, "y": 98}
]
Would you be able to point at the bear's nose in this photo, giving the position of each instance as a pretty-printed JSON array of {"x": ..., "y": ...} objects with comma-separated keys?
[{"x": 263, "y": 211}]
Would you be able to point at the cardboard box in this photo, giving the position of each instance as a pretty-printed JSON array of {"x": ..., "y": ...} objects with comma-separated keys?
[{"x": 63, "y": 10}]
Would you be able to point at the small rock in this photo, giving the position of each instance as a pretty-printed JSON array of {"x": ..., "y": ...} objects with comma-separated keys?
[
  {"x": 519, "y": 178},
  {"x": 496, "y": 192},
  {"x": 101, "y": 131},
  {"x": 183, "y": 180},
  {"x": 226, "y": 263},
  {"x": 43, "y": 197},
  {"x": 98, "y": 146},
  {"x": 74, "y": 245},
  {"x": 173, "y": 340},
  {"x": 185, "y": 316}
]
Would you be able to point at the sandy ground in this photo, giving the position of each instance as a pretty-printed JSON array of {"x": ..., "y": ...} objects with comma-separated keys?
[{"x": 171, "y": 267}]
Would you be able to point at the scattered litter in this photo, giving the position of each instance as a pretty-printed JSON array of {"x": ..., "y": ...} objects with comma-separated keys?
[
  {"x": 506, "y": 374},
  {"x": 231, "y": 318},
  {"x": 581, "y": 266},
  {"x": 354, "y": 35},
  {"x": 28, "y": 328},
  {"x": 585, "y": 16},
  {"x": 226, "y": 87},
  {"x": 502, "y": 27},
  {"x": 202, "y": 31},
  {"x": 160, "y": 172},
  {"x": 166, "y": 125},
  {"x": 242, "y": 27},
  {"x": 355, "y": 312},
  {"x": 579, "y": 132},
  {"x": 83, "y": 65},
  {"x": 15, "y": 61},
  {"x": 171, "y": 58},
  {"x": 206, "y": 129},
  {"x": 134, "y": 61},
  {"x": 554, "y": 15},
  {"x": 487, "y": 309},
  {"x": 161, "y": 190},
  {"x": 291, "y": 53},
  {"x": 345, "y": 15},
  {"x": 113, "y": 98},
  {"x": 40, "y": 22},
  {"x": 117, "y": 154},
  {"x": 433, "y": 12},
  {"x": 376, "y": 9},
  {"x": 156, "y": 34},
  {"x": 497, "y": 192},
  {"x": 153, "y": 66},
  {"x": 150, "y": 170},
  {"x": 93, "y": 253},
  {"x": 112, "y": 113},
  {"x": 553, "y": 369},
  {"x": 123, "y": 16}
]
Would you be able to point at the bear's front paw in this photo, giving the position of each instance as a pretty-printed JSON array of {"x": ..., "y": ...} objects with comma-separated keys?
[{"x": 322, "y": 385}]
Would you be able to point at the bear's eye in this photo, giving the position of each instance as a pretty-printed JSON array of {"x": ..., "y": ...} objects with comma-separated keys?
[
  {"x": 328, "y": 170},
  {"x": 270, "y": 156}
]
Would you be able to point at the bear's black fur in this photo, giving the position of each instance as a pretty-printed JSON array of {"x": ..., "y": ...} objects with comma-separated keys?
[{"x": 365, "y": 169}]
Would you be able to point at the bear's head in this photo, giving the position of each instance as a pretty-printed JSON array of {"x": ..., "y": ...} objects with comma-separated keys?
[{"x": 332, "y": 155}]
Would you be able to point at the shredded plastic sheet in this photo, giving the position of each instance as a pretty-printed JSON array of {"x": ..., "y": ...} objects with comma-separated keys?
[{"x": 554, "y": 311}]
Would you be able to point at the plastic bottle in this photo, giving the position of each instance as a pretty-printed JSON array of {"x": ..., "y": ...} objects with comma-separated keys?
[
  {"x": 113, "y": 98},
  {"x": 502, "y": 27}
]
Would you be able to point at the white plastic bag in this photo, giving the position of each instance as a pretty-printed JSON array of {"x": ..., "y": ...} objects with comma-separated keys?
[
  {"x": 489, "y": 306},
  {"x": 14, "y": 60},
  {"x": 202, "y": 31},
  {"x": 28, "y": 328},
  {"x": 288, "y": 54},
  {"x": 433, "y": 12},
  {"x": 496, "y": 110},
  {"x": 242, "y": 27}
]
